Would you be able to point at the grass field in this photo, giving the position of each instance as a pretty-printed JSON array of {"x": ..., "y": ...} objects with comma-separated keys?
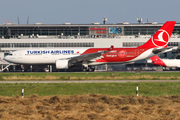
[
  {"x": 49, "y": 89},
  {"x": 156, "y": 100},
  {"x": 92, "y": 76},
  {"x": 145, "y": 89}
]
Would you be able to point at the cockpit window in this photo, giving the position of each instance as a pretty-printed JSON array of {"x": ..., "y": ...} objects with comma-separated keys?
[{"x": 10, "y": 54}]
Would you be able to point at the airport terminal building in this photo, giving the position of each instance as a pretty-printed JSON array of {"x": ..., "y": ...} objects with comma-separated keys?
[{"x": 22, "y": 36}]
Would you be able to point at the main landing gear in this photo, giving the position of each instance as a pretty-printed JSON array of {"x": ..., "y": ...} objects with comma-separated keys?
[{"x": 88, "y": 69}]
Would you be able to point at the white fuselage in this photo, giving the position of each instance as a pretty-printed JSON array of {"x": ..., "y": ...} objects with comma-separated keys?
[{"x": 42, "y": 56}]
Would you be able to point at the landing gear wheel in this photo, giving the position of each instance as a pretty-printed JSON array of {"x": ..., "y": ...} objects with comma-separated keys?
[
  {"x": 84, "y": 69},
  {"x": 91, "y": 69}
]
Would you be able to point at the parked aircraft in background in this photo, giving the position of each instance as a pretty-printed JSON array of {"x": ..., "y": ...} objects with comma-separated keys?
[
  {"x": 66, "y": 58},
  {"x": 164, "y": 62}
]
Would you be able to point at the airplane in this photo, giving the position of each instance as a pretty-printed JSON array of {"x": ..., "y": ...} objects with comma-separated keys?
[
  {"x": 164, "y": 62},
  {"x": 66, "y": 58}
]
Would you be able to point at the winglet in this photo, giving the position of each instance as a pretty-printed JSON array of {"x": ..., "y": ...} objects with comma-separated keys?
[
  {"x": 111, "y": 48},
  {"x": 157, "y": 61}
]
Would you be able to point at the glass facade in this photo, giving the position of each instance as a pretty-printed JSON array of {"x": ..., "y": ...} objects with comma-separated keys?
[
  {"x": 14, "y": 32},
  {"x": 136, "y": 44},
  {"x": 14, "y": 45},
  {"x": 132, "y": 44},
  {"x": 93, "y": 31},
  {"x": 143, "y": 30}
]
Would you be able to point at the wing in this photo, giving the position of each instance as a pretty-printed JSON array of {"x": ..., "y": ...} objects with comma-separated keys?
[{"x": 88, "y": 57}]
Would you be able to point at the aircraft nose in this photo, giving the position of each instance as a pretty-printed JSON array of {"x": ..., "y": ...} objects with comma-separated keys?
[{"x": 5, "y": 58}]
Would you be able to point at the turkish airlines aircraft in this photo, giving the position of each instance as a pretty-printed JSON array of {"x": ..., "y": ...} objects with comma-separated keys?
[
  {"x": 164, "y": 62},
  {"x": 65, "y": 58}
]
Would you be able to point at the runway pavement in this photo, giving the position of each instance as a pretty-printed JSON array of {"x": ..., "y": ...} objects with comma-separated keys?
[{"x": 90, "y": 81}]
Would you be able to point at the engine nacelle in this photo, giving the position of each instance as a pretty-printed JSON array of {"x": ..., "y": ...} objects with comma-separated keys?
[{"x": 62, "y": 64}]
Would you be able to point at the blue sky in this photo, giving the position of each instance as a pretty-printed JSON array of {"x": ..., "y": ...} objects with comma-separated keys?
[{"x": 88, "y": 11}]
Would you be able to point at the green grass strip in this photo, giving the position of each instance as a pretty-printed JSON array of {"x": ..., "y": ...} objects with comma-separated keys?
[
  {"x": 48, "y": 89},
  {"x": 92, "y": 76}
]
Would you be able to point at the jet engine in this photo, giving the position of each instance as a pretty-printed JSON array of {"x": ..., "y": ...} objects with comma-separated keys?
[{"x": 62, "y": 64}]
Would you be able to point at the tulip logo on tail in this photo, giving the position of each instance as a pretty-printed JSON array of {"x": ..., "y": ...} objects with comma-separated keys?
[{"x": 160, "y": 39}]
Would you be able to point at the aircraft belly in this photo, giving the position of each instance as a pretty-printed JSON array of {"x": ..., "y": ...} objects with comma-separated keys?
[
  {"x": 43, "y": 59},
  {"x": 34, "y": 59},
  {"x": 144, "y": 55}
]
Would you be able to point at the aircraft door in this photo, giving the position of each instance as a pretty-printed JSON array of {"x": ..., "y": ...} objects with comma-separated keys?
[
  {"x": 20, "y": 56},
  {"x": 136, "y": 52}
]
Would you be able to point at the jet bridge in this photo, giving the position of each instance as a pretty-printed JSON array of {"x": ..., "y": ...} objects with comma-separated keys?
[{"x": 3, "y": 64}]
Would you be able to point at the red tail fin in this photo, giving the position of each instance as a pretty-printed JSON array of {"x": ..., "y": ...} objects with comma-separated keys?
[
  {"x": 157, "y": 61},
  {"x": 161, "y": 37}
]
